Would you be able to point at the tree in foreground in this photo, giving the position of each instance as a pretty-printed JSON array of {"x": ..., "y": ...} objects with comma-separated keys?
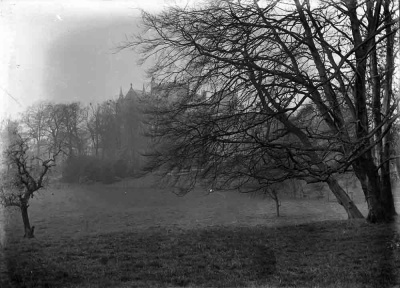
[
  {"x": 292, "y": 91},
  {"x": 21, "y": 177}
]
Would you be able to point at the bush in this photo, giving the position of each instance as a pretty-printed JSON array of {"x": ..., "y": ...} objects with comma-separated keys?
[
  {"x": 108, "y": 174},
  {"x": 72, "y": 169},
  {"x": 91, "y": 169},
  {"x": 120, "y": 168}
]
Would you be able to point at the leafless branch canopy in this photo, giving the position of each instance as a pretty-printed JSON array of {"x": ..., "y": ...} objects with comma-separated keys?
[
  {"x": 264, "y": 93},
  {"x": 23, "y": 177}
]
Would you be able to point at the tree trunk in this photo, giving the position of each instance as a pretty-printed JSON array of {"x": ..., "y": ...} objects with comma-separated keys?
[
  {"x": 365, "y": 168},
  {"x": 367, "y": 173},
  {"x": 38, "y": 153},
  {"x": 386, "y": 195},
  {"x": 25, "y": 218},
  {"x": 344, "y": 199},
  {"x": 277, "y": 204}
]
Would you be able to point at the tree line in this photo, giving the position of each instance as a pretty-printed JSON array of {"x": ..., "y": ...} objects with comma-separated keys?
[{"x": 95, "y": 142}]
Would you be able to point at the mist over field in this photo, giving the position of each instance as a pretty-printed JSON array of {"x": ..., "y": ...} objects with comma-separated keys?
[{"x": 206, "y": 143}]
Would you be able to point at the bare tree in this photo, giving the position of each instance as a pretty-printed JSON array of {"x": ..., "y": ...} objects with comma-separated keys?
[
  {"x": 74, "y": 118},
  {"x": 35, "y": 119},
  {"x": 289, "y": 93},
  {"x": 55, "y": 127},
  {"x": 93, "y": 123},
  {"x": 273, "y": 193},
  {"x": 21, "y": 180}
]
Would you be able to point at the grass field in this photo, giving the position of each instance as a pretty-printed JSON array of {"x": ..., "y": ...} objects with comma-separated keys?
[{"x": 135, "y": 235}]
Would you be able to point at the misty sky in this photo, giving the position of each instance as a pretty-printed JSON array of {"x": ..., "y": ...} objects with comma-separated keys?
[{"x": 65, "y": 51}]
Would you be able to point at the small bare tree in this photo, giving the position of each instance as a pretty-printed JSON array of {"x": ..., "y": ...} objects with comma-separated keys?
[
  {"x": 272, "y": 192},
  {"x": 21, "y": 178},
  {"x": 266, "y": 190}
]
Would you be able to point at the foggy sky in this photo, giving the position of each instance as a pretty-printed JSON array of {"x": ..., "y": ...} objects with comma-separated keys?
[
  {"x": 84, "y": 64},
  {"x": 65, "y": 51}
]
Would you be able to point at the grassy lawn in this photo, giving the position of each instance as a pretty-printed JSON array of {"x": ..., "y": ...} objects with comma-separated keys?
[
  {"x": 325, "y": 254},
  {"x": 138, "y": 236}
]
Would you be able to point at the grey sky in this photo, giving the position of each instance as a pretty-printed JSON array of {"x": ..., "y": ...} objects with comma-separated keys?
[
  {"x": 83, "y": 64},
  {"x": 63, "y": 51}
]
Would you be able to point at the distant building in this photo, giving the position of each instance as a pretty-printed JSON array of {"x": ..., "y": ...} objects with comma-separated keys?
[
  {"x": 132, "y": 143},
  {"x": 130, "y": 97}
]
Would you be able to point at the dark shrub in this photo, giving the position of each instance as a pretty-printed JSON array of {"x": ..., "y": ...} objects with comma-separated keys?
[
  {"x": 72, "y": 169},
  {"x": 120, "y": 168},
  {"x": 93, "y": 169},
  {"x": 88, "y": 168},
  {"x": 108, "y": 175}
]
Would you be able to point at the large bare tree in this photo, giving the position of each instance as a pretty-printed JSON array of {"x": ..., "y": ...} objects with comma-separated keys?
[{"x": 293, "y": 91}]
